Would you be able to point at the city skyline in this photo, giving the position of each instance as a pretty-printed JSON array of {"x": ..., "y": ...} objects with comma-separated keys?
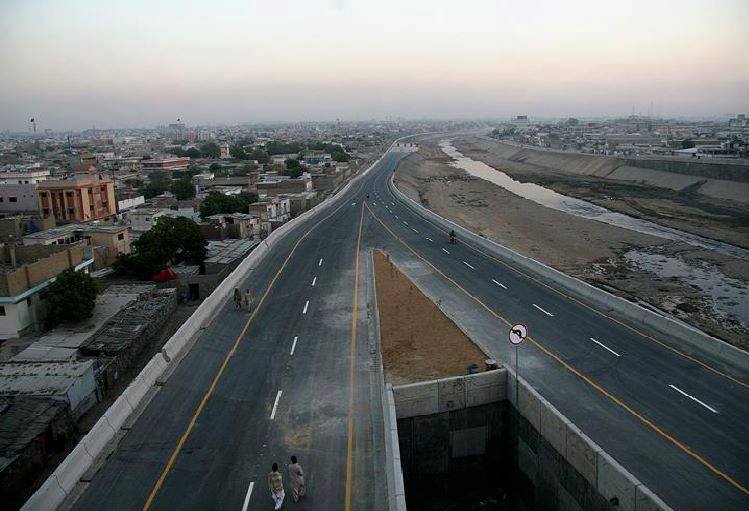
[{"x": 74, "y": 65}]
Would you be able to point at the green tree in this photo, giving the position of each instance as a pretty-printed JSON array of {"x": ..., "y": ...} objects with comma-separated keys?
[
  {"x": 293, "y": 168},
  {"x": 260, "y": 156},
  {"x": 687, "y": 144},
  {"x": 210, "y": 150},
  {"x": 339, "y": 156},
  {"x": 69, "y": 299},
  {"x": 193, "y": 153},
  {"x": 183, "y": 189},
  {"x": 218, "y": 203},
  {"x": 171, "y": 240},
  {"x": 279, "y": 147},
  {"x": 237, "y": 151}
]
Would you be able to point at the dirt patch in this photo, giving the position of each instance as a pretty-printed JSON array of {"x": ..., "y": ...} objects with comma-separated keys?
[
  {"x": 590, "y": 250},
  {"x": 418, "y": 342}
]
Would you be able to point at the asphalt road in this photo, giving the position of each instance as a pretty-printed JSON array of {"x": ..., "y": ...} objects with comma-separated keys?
[{"x": 678, "y": 424}]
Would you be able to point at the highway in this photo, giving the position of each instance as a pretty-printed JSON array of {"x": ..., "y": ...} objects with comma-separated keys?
[{"x": 295, "y": 376}]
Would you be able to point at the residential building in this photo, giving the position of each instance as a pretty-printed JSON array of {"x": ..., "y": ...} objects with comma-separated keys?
[
  {"x": 165, "y": 164},
  {"x": 224, "y": 150},
  {"x": 277, "y": 185},
  {"x": 274, "y": 210},
  {"x": 18, "y": 198},
  {"x": 108, "y": 241},
  {"x": 24, "y": 272},
  {"x": 142, "y": 220},
  {"x": 81, "y": 198},
  {"x": 241, "y": 225}
]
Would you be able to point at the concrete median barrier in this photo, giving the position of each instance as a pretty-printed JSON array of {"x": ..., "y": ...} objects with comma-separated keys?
[
  {"x": 49, "y": 494},
  {"x": 685, "y": 336}
]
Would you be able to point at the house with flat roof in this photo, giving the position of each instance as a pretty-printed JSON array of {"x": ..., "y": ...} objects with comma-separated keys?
[{"x": 24, "y": 272}]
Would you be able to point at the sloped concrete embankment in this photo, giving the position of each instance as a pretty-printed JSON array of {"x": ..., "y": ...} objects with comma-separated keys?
[
  {"x": 713, "y": 179},
  {"x": 443, "y": 422}
]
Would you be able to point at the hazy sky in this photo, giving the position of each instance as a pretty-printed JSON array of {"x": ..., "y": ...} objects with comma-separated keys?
[{"x": 74, "y": 64}]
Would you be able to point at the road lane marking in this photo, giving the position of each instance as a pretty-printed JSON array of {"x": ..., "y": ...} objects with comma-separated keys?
[
  {"x": 314, "y": 280},
  {"x": 405, "y": 223},
  {"x": 352, "y": 372},
  {"x": 677, "y": 389},
  {"x": 430, "y": 239},
  {"x": 247, "y": 496},
  {"x": 319, "y": 263},
  {"x": 545, "y": 312},
  {"x": 293, "y": 346},
  {"x": 587, "y": 379},
  {"x": 414, "y": 230},
  {"x": 275, "y": 405},
  {"x": 499, "y": 284},
  {"x": 305, "y": 307},
  {"x": 445, "y": 251},
  {"x": 396, "y": 216},
  {"x": 605, "y": 347},
  {"x": 392, "y": 203},
  {"x": 471, "y": 267}
]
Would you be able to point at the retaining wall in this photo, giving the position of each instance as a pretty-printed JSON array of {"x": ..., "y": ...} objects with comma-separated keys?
[
  {"x": 441, "y": 420},
  {"x": 692, "y": 340}
]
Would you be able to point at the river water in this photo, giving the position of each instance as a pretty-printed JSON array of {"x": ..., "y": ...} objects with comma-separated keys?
[{"x": 581, "y": 208}]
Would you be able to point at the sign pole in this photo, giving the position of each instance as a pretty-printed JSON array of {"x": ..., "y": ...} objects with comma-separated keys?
[
  {"x": 517, "y": 389},
  {"x": 518, "y": 333}
]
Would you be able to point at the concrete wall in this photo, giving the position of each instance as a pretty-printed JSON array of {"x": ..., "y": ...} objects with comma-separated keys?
[{"x": 556, "y": 466}]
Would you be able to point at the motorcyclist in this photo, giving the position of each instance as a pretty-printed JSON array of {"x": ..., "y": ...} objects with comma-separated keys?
[{"x": 452, "y": 236}]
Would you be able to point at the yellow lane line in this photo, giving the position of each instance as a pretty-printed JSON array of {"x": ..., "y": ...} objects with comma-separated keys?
[
  {"x": 600, "y": 313},
  {"x": 352, "y": 370},
  {"x": 170, "y": 463},
  {"x": 576, "y": 372}
]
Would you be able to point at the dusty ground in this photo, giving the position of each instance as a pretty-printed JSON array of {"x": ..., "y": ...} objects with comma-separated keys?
[
  {"x": 415, "y": 334},
  {"x": 722, "y": 220},
  {"x": 584, "y": 248}
]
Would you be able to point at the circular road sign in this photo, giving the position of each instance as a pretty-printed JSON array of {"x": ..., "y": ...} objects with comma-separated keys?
[{"x": 518, "y": 333}]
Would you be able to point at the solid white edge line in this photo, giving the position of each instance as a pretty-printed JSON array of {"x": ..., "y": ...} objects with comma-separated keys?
[
  {"x": 471, "y": 267},
  {"x": 247, "y": 496},
  {"x": 275, "y": 404},
  {"x": 305, "y": 307},
  {"x": 499, "y": 284},
  {"x": 545, "y": 312},
  {"x": 445, "y": 251},
  {"x": 605, "y": 347},
  {"x": 677, "y": 389},
  {"x": 293, "y": 345}
]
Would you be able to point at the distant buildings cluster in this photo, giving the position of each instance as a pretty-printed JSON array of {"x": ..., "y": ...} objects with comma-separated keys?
[{"x": 634, "y": 136}]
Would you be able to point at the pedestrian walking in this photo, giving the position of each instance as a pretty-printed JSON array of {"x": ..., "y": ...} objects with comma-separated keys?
[
  {"x": 296, "y": 476},
  {"x": 248, "y": 300},
  {"x": 275, "y": 483},
  {"x": 237, "y": 298}
]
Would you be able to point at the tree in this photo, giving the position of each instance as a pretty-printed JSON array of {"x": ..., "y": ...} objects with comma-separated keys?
[
  {"x": 278, "y": 147},
  {"x": 260, "y": 156},
  {"x": 237, "y": 151},
  {"x": 293, "y": 168},
  {"x": 218, "y": 203},
  {"x": 687, "y": 144},
  {"x": 339, "y": 156},
  {"x": 171, "y": 240},
  {"x": 193, "y": 153},
  {"x": 183, "y": 189},
  {"x": 69, "y": 299},
  {"x": 210, "y": 150}
]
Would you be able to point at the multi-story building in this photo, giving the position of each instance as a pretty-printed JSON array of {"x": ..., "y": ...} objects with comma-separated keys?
[
  {"x": 81, "y": 198},
  {"x": 166, "y": 164},
  {"x": 108, "y": 241}
]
